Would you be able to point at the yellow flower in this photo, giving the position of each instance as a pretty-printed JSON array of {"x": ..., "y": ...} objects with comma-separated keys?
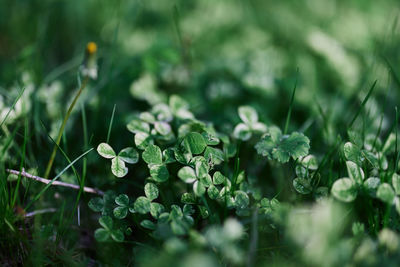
[{"x": 91, "y": 48}]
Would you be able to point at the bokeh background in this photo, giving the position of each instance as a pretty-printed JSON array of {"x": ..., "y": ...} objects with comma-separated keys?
[{"x": 217, "y": 54}]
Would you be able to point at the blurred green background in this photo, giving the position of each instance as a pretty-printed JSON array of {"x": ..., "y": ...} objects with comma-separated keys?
[{"x": 217, "y": 54}]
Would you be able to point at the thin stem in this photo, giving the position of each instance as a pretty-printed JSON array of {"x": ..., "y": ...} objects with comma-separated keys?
[
  {"x": 291, "y": 103},
  {"x": 47, "y": 181},
  {"x": 61, "y": 131}
]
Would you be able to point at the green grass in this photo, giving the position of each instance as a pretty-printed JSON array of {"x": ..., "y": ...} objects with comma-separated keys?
[{"x": 233, "y": 133}]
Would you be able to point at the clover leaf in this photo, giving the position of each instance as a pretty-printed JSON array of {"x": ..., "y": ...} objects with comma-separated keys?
[
  {"x": 249, "y": 124},
  {"x": 127, "y": 155},
  {"x": 275, "y": 146},
  {"x": 197, "y": 176},
  {"x": 344, "y": 189},
  {"x": 103, "y": 234},
  {"x": 121, "y": 211},
  {"x": 194, "y": 143}
]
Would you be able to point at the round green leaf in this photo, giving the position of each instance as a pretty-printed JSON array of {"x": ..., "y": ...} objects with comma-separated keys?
[
  {"x": 122, "y": 200},
  {"x": 355, "y": 172},
  {"x": 214, "y": 155},
  {"x": 117, "y": 235},
  {"x": 218, "y": 178},
  {"x": 195, "y": 143},
  {"x": 242, "y": 132},
  {"x": 96, "y": 204},
  {"x": 241, "y": 199},
  {"x": 201, "y": 168},
  {"x": 151, "y": 191},
  {"x": 118, "y": 167},
  {"x": 142, "y": 140},
  {"x": 120, "y": 212},
  {"x": 129, "y": 155},
  {"x": 310, "y": 162},
  {"x": 159, "y": 173},
  {"x": 152, "y": 155},
  {"x": 371, "y": 185},
  {"x": 142, "y": 205},
  {"x": 106, "y": 151},
  {"x": 137, "y": 126},
  {"x": 302, "y": 186},
  {"x": 344, "y": 189},
  {"x": 248, "y": 114},
  {"x": 162, "y": 128},
  {"x": 156, "y": 209},
  {"x": 396, "y": 183},
  {"x": 148, "y": 224},
  {"x": 213, "y": 192},
  {"x": 187, "y": 174},
  {"x": 386, "y": 193},
  {"x": 351, "y": 152},
  {"x": 101, "y": 235},
  {"x": 198, "y": 188},
  {"x": 106, "y": 222}
]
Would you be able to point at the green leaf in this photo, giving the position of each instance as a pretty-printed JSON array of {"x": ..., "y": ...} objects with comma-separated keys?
[
  {"x": 148, "y": 224},
  {"x": 242, "y": 132},
  {"x": 168, "y": 156},
  {"x": 203, "y": 212},
  {"x": 310, "y": 162},
  {"x": 268, "y": 142},
  {"x": 352, "y": 152},
  {"x": 96, "y": 204},
  {"x": 159, "y": 173},
  {"x": 198, "y": 188},
  {"x": 122, "y": 200},
  {"x": 129, "y": 155},
  {"x": 151, "y": 191},
  {"x": 187, "y": 174},
  {"x": 137, "y": 126},
  {"x": 106, "y": 151},
  {"x": 248, "y": 114},
  {"x": 214, "y": 155},
  {"x": 188, "y": 198},
  {"x": 142, "y": 205},
  {"x": 177, "y": 103},
  {"x": 206, "y": 180},
  {"x": 152, "y": 155},
  {"x": 371, "y": 158},
  {"x": 101, "y": 235},
  {"x": 355, "y": 172},
  {"x": 147, "y": 117},
  {"x": 213, "y": 192},
  {"x": 118, "y": 167},
  {"x": 344, "y": 189},
  {"x": 396, "y": 183},
  {"x": 120, "y": 212},
  {"x": 106, "y": 222},
  {"x": 386, "y": 193},
  {"x": 162, "y": 128},
  {"x": 156, "y": 209},
  {"x": 194, "y": 143},
  {"x": 143, "y": 140},
  {"x": 302, "y": 186},
  {"x": 117, "y": 235},
  {"x": 371, "y": 185},
  {"x": 218, "y": 178},
  {"x": 296, "y": 145},
  {"x": 201, "y": 168},
  {"x": 241, "y": 199}
]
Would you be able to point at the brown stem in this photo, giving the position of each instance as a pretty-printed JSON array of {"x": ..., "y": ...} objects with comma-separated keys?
[{"x": 47, "y": 181}]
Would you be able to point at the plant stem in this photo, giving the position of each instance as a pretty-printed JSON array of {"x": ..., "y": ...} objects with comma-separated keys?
[
  {"x": 47, "y": 181},
  {"x": 61, "y": 131}
]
